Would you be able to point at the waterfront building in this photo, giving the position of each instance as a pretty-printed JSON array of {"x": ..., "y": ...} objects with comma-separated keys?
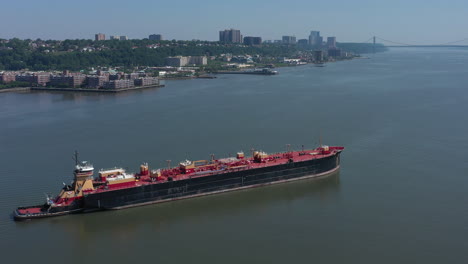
[
  {"x": 331, "y": 42},
  {"x": 230, "y": 35},
  {"x": 38, "y": 79},
  {"x": 289, "y": 40},
  {"x": 99, "y": 37},
  {"x": 7, "y": 77},
  {"x": 123, "y": 38},
  {"x": 146, "y": 81},
  {"x": 252, "y": 41},
  {"x": 131, "y": 76},
  {"x": 114, "y": 37},
  {"x": 24, "y": 78},
  {"x": 318, "y": 55},
  {"x": 71, "y": 80},
  {"x": 157, "y": 37},
  {"x": 41, "y": 79},
  {"x": 334, "y": 52},
  {"x": 113, "y": 77},
  {"x": 96, "y": 81},
  {"x": 119, "y": 84}
]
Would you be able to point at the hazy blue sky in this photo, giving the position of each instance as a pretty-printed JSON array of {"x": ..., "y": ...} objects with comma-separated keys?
[{"x": 409, "y": 21}]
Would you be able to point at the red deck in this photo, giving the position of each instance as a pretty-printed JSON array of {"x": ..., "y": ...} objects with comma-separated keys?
[
  {"x": 177, "y": 174},
  {"x": 33, "y": 210}
]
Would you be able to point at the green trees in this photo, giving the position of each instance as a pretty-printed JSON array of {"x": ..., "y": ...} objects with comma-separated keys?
[
  {"x": 14, "y": 85},
  {"x": 78, "y": 54}
]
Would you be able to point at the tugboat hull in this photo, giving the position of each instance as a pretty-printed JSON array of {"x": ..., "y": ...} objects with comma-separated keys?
[{"x": 42, "y": 211}]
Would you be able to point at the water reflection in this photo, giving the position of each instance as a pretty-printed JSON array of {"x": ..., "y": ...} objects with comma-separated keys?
[
  {"x": 59, "y": 96},
  {"x": 124, "y": 224}
]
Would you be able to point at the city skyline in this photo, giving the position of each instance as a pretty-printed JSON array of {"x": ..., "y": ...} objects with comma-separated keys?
[{"x": 350, "y": 22}]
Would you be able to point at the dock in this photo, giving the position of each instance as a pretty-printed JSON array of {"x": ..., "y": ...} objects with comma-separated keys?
[{"x": 255, "y": 72}]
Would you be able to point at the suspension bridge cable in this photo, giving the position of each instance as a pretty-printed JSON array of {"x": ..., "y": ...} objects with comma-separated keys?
[
  {"x": 453, "y": 42},
  {"x": 406, "y": 44},
  {"x": 394, "y": 42},
  {"x": 367, "y": 40}
]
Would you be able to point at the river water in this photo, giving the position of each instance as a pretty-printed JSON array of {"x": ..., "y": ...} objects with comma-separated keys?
[{"x": 400, "y": 196}]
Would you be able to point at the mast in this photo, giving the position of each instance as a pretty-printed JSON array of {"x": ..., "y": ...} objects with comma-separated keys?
[
  {"x": 320, "y": 138},
  {"x": 75, "y": 158}
]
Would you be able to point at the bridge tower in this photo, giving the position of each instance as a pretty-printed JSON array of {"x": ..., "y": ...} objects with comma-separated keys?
[{"x": 373, "y": 47}]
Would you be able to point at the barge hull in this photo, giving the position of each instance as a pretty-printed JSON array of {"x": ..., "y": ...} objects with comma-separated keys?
[{"x": 218, "y": 183}]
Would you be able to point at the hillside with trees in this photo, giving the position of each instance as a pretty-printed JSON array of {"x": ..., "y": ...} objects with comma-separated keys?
[{"x": 16, "y": 54}]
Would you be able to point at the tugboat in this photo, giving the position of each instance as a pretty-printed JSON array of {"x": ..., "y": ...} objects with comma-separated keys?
[{"x": 69, "y": 200}]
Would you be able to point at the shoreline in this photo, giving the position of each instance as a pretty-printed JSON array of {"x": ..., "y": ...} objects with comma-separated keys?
[
  {"x": 52, "y": 89},
  {"x": 207, "y": 75},
  {"x": 16, "y": 89}
]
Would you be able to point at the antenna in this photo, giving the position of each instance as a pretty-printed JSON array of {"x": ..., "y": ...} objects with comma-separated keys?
[
  {"x": 320, "y": 138},
  {"x": 75, "y": 157}
]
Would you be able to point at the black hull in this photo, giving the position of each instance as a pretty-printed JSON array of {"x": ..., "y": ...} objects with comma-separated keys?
[{"x": 223, "y": 182}]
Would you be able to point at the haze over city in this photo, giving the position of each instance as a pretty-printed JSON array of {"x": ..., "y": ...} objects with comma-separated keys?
[{"x": 413, "y": 22}]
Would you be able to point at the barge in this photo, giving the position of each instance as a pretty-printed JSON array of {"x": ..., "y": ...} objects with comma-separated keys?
[{"x": 117, "y": 189}]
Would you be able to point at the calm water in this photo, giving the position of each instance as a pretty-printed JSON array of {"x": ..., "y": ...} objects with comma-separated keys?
[{"x": 400, "y": 197}]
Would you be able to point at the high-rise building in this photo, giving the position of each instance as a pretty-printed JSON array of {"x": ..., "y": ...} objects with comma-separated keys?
[
  {"x": 230, "y": 35},
  {"x": 155, "y": 37},
  {"x": 318, "y": 55},
  {"x": 334, "y": 52},
  {"x": 252, "y": 40},
  {"x": 99, "y": 36},
  {"x": 118, "y": 37},
  {"x": 314, "y": 38},
  {"x": 289, "y": 40},
  {"x": 319, "y": 41},
  {"x": 303, "y": 42},
  {"x": 331, "y": 42}
]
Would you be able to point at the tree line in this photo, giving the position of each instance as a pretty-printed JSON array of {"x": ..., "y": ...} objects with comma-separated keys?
[{"x": 36, "y": 55}]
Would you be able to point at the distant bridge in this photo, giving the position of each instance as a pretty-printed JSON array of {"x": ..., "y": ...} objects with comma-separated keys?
[
  {"x": 394, "y": 44},
  {"x": 427, "y": 46}
]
